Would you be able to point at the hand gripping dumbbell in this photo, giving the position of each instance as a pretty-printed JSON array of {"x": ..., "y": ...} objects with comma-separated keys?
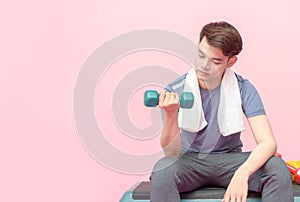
[{"x": 151, "y": 98}]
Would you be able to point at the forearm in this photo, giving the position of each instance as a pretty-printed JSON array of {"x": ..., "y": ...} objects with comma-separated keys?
[
  {"x": 266, "y": 144},
  {"x": 170, "y": 138},
  {"x": 258, "y": 157}
]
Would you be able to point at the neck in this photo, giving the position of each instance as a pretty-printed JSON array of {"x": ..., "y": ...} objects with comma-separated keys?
[{"x": 209, "y": 85}]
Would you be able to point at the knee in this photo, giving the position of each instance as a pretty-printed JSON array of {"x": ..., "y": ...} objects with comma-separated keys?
[
  {"x": 278, "y": 171},
  {"x": 164, "y": 172}
]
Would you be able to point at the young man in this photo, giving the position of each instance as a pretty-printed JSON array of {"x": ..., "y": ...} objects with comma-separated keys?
[{"x": 202, "y": 145}]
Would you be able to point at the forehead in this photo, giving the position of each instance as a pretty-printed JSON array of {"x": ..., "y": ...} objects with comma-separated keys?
[{"x": 210, "y": 51}]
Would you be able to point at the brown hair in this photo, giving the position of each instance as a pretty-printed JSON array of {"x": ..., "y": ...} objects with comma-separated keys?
[{"x": 223, "y": 35}]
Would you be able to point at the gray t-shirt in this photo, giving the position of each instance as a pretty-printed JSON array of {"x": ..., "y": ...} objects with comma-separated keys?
[{"x": 209, "y": 139}]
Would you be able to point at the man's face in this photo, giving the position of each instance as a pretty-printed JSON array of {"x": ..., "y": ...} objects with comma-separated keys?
[{"x": 210, "y": 64}]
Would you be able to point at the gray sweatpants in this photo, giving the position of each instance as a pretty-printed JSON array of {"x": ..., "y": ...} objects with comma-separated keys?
[{"x": 190, "y": 171}]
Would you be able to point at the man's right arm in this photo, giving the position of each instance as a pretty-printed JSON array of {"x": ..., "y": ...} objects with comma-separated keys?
[{"x": 170, "y": 138}]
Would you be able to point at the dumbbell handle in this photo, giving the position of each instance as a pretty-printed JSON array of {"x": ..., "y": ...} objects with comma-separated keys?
[{"x": 151, "y": 98}]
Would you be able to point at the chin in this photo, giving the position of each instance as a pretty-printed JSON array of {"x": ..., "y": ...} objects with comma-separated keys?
[{"x": 201, "y": 78}]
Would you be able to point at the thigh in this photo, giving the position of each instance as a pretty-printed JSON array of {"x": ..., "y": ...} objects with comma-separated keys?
[
  {"x": 193, "y": 170},
  {"x": 188, "y": 171},
  {"x": 274, "y": 172},
  {"x": 223, "y": 166}
]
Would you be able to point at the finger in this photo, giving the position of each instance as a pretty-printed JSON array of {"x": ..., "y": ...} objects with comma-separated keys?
[
  {"x": 234, "y": 199},
  {"x": 161, "y": 98},
  {"x": 177, "y": 98},
  {"x": 167, "y": 99},
  {"x": 244, "y": 198},
  {"x": 172, "y": 98},
  {"x": 241, "y": 198},
  {"x": 226, "y": 198}
]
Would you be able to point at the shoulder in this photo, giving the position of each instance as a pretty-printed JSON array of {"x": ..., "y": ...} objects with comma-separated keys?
[
  {"x": 245, "y": 85},
  {"x": 177, "y": 85},
  {"x": 251, "y": 102}
]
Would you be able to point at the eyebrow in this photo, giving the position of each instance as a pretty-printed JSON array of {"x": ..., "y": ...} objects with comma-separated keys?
[{"x": 218, "y": 59}]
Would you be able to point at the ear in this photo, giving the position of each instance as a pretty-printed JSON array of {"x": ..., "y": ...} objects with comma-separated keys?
[{"x": 231, "y": 61}]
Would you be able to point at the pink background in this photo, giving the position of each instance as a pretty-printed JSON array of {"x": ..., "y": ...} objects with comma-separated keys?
[{"x": 43, "y": 46}]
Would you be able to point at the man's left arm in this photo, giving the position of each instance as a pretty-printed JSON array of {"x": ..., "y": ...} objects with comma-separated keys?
[{"x": 266, "y": 148}]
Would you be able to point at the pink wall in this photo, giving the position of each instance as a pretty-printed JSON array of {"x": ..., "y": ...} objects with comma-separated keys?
[{"x": 43, "y": 49}]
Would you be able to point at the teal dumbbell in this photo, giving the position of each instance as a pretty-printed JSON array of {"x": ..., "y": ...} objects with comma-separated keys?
[{"x": 151, "y": 99}]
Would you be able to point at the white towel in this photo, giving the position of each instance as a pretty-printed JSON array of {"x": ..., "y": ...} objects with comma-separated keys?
[{"x": 230, "y": 114}]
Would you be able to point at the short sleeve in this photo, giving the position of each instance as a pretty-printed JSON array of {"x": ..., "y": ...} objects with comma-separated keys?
[{"x": 251, "y": 101}]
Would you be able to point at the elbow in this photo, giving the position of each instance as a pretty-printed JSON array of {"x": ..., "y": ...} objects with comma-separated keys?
[
  {"x": 173, "y": 154},
  {"x": 272, "y": 146},
  {"x": 172, "y": 150},
  {"x": 269, "y": 145},
  {"x": 171, "y": 147}
]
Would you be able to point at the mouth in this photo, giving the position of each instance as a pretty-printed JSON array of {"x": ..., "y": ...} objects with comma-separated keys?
[{"x": 202, "y": 73}]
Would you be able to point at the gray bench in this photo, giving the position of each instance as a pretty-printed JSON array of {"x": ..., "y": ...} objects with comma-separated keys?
[{"x": 141, "y": 193}]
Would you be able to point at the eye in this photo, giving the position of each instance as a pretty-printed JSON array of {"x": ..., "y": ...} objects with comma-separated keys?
[
  {"x": 201, "y": 55},
  {"x": 217, "y": 63}
]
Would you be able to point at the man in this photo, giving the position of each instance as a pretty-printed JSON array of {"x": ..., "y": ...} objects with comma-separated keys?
[{"x": 210, "y": 151}]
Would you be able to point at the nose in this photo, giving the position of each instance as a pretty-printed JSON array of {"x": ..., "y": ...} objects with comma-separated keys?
[{"x": 206, "y": 65}]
